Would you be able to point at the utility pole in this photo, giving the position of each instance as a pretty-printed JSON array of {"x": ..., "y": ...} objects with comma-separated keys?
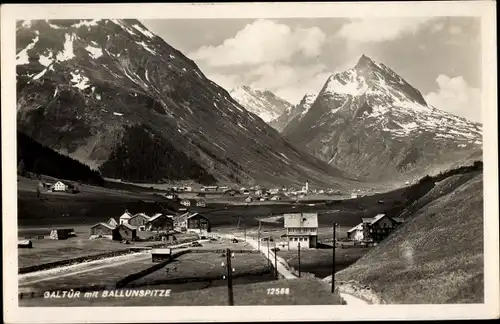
[
  {"x": 275, "y": 261},
  {"x": 258, "y": 237},
  {"x": 245, "y": 232},
  {"x": 268, "y": 261},
  {"x": 238, "y": 226},
  {"x": 333, "y": 258},
  {"x": 229, "y": 277},
  {"x": 299, "y": 257}
]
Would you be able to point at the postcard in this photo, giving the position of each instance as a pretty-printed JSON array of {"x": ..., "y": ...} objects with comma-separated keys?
[{"x": 249, "y": 162}]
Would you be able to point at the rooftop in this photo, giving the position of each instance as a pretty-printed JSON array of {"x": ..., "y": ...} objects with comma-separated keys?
[{"x": 301, "y": 220}]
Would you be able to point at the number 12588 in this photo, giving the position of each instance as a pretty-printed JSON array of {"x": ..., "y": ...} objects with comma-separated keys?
[{"x": 278, "y": 291}]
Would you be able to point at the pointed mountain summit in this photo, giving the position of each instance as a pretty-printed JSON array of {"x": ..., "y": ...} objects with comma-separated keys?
[
  {"x": 115, "y": 96},
  {"x": 369, "y": 121}
]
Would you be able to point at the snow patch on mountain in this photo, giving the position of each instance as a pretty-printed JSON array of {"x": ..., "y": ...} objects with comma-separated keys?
[
  {"x": 346, "y": 83},
  {"x": 144, "y": 31},
  {"x": 79, "y": 81},
  {"x": 46, "y": 60},
  {"x": 39, "y": 75},
  {"x": 145, "y": 46},
  {"x": 95, "y": 52},
  {"x": 26, "y": 23},
  {"x": 67, "y": 53},
  {"x": 22, "y": 57},
  {"x": 124, "y": 26},
  {"x": 88, "y": 23}
]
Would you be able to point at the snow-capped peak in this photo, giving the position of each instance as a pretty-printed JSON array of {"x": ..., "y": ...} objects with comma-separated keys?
[
  {"x": 264, "y": 104},
  {"x": 373, "y": 106}
]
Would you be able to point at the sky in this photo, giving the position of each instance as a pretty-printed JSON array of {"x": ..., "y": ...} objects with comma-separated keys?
[{"x": 440, "y": 56}]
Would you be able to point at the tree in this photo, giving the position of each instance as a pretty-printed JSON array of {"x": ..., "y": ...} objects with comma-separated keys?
[
  {"x": 36, "y": 168},
  {"x": 21, "y": 168}
]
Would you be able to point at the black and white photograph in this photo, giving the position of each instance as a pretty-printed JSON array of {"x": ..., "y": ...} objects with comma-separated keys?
[{"x": 184, "y": 155}]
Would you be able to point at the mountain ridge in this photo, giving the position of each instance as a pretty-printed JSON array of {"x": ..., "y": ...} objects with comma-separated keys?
[
  {"x": 372, "y": 122},
  {"x": 81, "y": 83}
]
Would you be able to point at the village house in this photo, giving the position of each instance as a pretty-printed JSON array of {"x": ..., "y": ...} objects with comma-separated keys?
[
  {"x": 373, "y": 229},
  {"x": 112, "y": 222},
  {"x": 124, "y": 231},
  {"x": 139, "y": 221},
  {"x": 275, "y": 198},
  {"x": 125, "y": 217},
  {"x": 210, "y": 188},
  {"x": 102, "y": 229},
  {"x": 188, "y": 202},
  {"x": 180, "y": 222},
  {"x": 201, "y": 203},
  {"x": 59, "y": 186},
  {"x": 62, "y": 234},
  {"x": 171, "y": 196},
  {"x": 248, "y": 199},
  {"x": 160, "y": 223},
  {"x": 301, "y": 228},
  {"x": 356, "y": 233},
  {"x": 198, "y": 223}
]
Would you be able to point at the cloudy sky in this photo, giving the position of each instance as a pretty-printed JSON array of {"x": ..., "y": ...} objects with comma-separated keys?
[{"x": 440, "y": 56}]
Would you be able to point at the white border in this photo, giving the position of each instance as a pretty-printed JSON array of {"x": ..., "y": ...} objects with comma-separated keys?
[{"x": 484, "y": 9}]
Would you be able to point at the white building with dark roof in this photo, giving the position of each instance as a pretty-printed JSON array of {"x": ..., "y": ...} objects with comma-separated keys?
[
  {"x": 301, "y": 228},
  {"x": 125, "y": 217}
]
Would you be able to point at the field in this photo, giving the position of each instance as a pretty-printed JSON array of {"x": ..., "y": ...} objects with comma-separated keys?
[
  {"x": 107, "y": 274},
  {"x": 301, "y": 292},
  {"x": 319, "y": 261},
  {"x": 204, "y": 266},
  {"x": 437, "y": 255}
]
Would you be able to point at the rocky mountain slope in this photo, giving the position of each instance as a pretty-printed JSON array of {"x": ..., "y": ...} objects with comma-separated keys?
[
  {"x": 291, "y": 118},
  {"x": 104, "y": 91},
  {"x": 264, "y": 104},
  {"x": 370, "y": 121}
]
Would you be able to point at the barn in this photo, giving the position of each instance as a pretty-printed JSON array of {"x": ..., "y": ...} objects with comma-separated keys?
[
  {"x": 124, "y": 232},
  {"x": 62, "y": 233},
  {"x": 102, "y": 229},
  {"x": 139, "y": 221},
  {"x": 198, "y": 223},
  {"x": 160, "y": 222}
]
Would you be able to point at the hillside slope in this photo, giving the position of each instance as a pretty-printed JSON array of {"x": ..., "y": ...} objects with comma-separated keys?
[
  {"x": 370, "y": 121},
  {"x": 82, "y": 86},
  {"x": 436, "y": 256}
]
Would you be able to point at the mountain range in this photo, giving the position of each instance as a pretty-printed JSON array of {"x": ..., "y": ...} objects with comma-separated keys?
[
  {"x": 370, "y": 121},
  {"x": 113, "y": 95}
]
